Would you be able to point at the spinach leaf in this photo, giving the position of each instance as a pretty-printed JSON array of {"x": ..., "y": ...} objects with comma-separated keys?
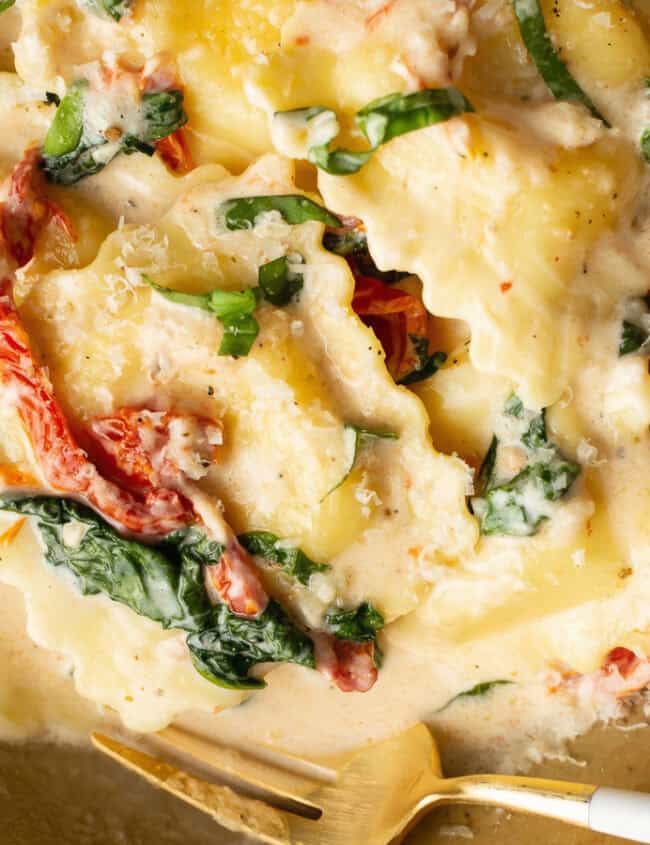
[
  {"x": 632, "y": 338},
  {"x": 233, "y": 309},
  {"x": 477, "y": 691},
  {"x": 381, "y": 121},
  {"x": 345, "y": 242},
  {"x": 644, "y": 143},
  {"x": 355, "y": 440},
  {"x": 73, "y": 149},
  {"x": 280, "y": 281},
  {"x": 535, "y": 435},
  {"x": 115, "y": 8},
  {"x": 162, "y": 113},
  {"x": 101, "y": 561},
  {"x": 231, "y": 645},
  {"x": 241, "y": 213},
  {"x": 428, "y": 365},
  {"x": 514, "y": 407},
  {"x": 518, "y": 506},
  {"x": 6, "y": 4},
  {"x": 194, "y": 544},
  {"x": 552, "y": 69},
  {"x": 353, "y": 244},
  {"x": 165, "y": 584},
  {"x": 635, "y": 329},
  {"x": 292, "y": 560},
  {"x": 359, "y": 625}
]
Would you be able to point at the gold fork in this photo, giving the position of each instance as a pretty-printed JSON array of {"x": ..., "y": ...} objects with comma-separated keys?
[{"x": 372, "y": 796}]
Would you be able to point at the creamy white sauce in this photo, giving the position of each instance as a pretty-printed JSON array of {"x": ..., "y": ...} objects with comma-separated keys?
[{"x": 510, "y": 607}]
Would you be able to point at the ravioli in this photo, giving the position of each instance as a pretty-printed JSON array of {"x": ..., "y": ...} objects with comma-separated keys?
[
  {"x": 414, "y": 334},
  {"x": 111, "y": 342}
]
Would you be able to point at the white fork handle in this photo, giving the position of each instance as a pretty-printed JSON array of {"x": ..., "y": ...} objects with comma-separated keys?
[
  {"x": 620, "y": 813},
  {"x": 616, "y": 812}
]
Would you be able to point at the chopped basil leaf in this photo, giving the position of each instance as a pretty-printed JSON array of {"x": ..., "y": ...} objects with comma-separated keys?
[
  {"x": 293, "y": 561},
  {"x": 73, "y": 150},
  {"x": 6, "y": 4},
  {"x": 194, "y": 300},
  {"x": 358, "y": 625},
  {"x": 552, "y": 69},
  {"x": 115, "y": 8},
  {"x": 280, "y": 281},
  {"x": 517, "y": 505},
  {"x": 381, "y": 121},
  {"x": 64, "y": 135},
  {"x": 355, "y": 439},
  {"x": 427, "y": 365},
  {"x": 242, "y": 212},
  {"x": 477, "y": 691},
  {"x": 165, "y": 584},
  {"x": 234, "y": 310},
  {"x": 231, "y": 645},
  {"x": 239, "y": 334},
  {"x": 635, "y": 328},
  {"x": 339, "y": 162},
  {"x": 394, "y": 115},
  {"x": 230, "y": 304}
]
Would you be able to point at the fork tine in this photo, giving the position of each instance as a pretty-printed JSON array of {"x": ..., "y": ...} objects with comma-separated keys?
[
  {"x": 230, "y": 809},
  {"x": 280, "y": 779}
]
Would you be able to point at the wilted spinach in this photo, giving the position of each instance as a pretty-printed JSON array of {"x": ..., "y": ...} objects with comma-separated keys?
[
  {"x": 293, "y": 561},
  {"x": 517, "y": 506},
  {"x": 73, "y": 149},
  {"x": 165, "y": 583}
]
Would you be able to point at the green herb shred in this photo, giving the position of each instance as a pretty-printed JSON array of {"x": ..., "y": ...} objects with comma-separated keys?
[
  {"x": 635, "y": 327},
  {"x": 165, "y": 584},
  {"x": 293, "y": 561},
  {"x": 358, "y": 625},
  {"x": 552, "y": 69},
  {"x": 73, "y": 150},
  {"x": 233, "y": 309},
  {"x": 280, "y": 281},
  {"x": 227, "y": 649},
  {"x": 477, "y": 691},
  {"x": 355, "y": 440},
  {"x": 353, "y": 244},
  {"x": 427, "y": 366},
  {"x": 242, "y": 212},
  {"x": 115, "y": 8},
  {"x": 381, "y": 121},
  {"x": 517, "y": 504}
]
